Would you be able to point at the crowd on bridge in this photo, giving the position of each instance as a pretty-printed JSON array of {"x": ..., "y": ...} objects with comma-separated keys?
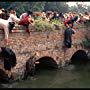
[{"x": 8, "y": 19}]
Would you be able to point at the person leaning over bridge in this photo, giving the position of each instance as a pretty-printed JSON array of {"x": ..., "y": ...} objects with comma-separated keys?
[
  {"x": 26, "y": 19},
  {"x": 8, "y": 25},
  {"x": 12, "y": 18},
  {"x": 70, "y": 22}
]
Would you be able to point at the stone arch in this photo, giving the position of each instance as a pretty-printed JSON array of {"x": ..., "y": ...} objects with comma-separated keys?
[
  {"x": 79, "y": 57},
  {"x": 46, "y": 62}
]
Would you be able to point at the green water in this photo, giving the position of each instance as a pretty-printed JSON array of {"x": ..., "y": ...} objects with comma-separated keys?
[{"x": 62, "y": 78}]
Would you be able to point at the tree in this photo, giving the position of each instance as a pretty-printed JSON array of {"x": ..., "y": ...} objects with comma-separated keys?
[
  {"x": 73, "y": 8},
  {"x": 56, "y": 6},
  {"x": 88, "y": 8},
  {"x": 38, "y": 6},
  {"x": 29, "y": 6},
  {"x": 81, "y": 7},
  {"x": 21, "y": 7},
  {"x": 5, "y": 5}
]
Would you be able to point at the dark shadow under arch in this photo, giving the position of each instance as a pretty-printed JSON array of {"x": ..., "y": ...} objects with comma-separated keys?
[
  {"x": 46, "y": 63},
  {"x": 79, "y": 57}
]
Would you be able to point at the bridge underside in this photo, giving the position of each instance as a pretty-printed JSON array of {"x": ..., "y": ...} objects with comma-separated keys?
[
  {"x": 46, "y": 63},
  {"x": 79, "y": 57}
]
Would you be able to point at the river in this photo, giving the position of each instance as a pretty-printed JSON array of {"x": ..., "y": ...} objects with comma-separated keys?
[{"x": 78, "y": 77}]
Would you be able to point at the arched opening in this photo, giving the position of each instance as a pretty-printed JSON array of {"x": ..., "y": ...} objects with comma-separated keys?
[
  {"x": 46, "y": 63},
  {"x": 79, "y": 57}
]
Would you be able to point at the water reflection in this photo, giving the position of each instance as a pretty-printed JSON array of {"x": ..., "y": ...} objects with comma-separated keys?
[{"x": 62, "y": 78}]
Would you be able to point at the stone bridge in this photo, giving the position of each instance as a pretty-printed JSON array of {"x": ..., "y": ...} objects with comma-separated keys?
[{"x": 45, "y": 45}]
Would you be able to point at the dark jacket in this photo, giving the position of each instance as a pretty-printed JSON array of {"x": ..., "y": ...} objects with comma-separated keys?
[
  {"x": 68, "y": 37},
  {"x": 9, "y": 58}
]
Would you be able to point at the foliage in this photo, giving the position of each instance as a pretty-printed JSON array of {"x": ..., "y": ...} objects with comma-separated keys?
[
  {"x": 44, "y": 6},
  {"x": 35, "y": 6},
  {"x": 56, "y": 22},
  {"x": 80, "y": 8},
  {"x": 88, "y": 8},
  {"x": 38, "y": 6},
  {"x": 86, "y": 42},
  {"x": 87, "y": 23},
  {"x": 41, "y": 25},
  {"x": 28, "y": 6},
  {"x": 56, "y": 6},
  {"x": 5, "y": 4},
  {"x": 73, "y": 8}
]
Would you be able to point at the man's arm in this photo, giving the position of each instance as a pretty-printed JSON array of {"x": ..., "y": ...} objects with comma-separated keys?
[{"x": 15, "y": 18}]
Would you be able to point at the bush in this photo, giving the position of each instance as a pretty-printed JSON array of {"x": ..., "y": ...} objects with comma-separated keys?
[
  {"x": 42, "y": 25},
  {"x": 87, "y": 23},
  {"x": 86, "y": 43},
  {"x": 56, "y": 22}
]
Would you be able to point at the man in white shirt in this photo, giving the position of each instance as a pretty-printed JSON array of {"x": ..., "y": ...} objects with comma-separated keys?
[
  {"x": 12, "y": 19},
  {"x": 5, "y": 24}
]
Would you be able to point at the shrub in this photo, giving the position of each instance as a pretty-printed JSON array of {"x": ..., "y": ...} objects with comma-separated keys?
[
  {"x": 42, "y": 25},
  {"x": 56, "y": 22},
  {"x": 86, "y": 43}
]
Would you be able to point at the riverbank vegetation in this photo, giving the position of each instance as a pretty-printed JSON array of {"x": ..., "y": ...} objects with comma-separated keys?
[
  {"x": 86, "y": 43},
  {"x": 43, "y": 25}
]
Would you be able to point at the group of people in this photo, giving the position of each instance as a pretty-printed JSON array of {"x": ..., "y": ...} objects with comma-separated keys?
[
  {"x": 8, "y": 19},
  {"x": 8, "y": 23},
  {"x": 71, "y": 28},
  {"x": 70, "y": 20}
]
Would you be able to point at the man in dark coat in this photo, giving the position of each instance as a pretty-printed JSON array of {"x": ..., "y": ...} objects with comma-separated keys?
[
  {"x": 9, "y": 58},
  {"x": 68, "y": 37}
]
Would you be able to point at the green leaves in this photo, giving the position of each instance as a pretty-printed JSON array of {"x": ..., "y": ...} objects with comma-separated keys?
[
  {"x": 43, "y": 25},
  {"x": 86, "y": 43}
]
